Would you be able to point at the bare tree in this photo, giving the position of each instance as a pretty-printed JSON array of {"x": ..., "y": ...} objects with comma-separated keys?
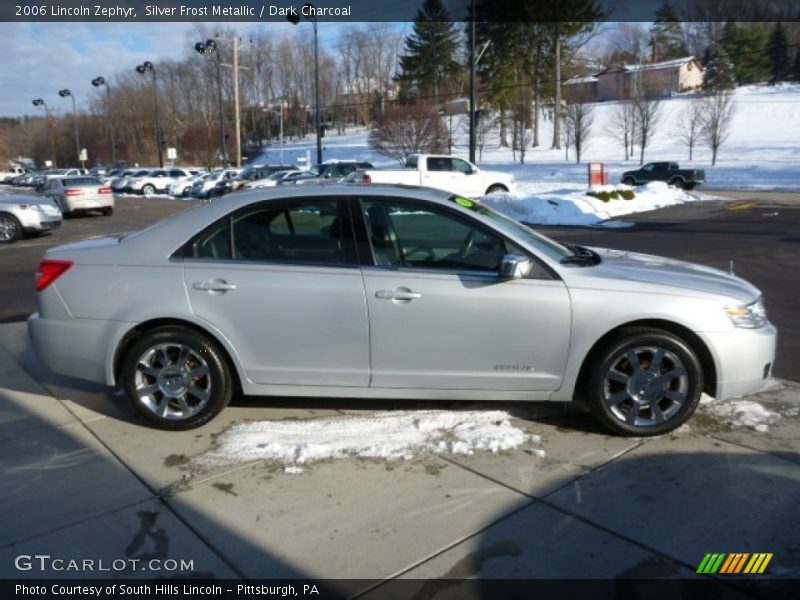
[
  {"x": 689, "y": 125},
  {"x": 401, "y": 131},
  {"x": 716, "y": 115},
  {"x": 484, "y": 126},
  {"x": 622, "y": 126},
  {"x": 579, "y": 117},
  {"x": 647, "y": 112}
]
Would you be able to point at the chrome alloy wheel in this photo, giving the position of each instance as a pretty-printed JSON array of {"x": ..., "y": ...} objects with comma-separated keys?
[
  {"x": 8, "y": 228},
  {"x": 172, "y": 381},
  {"x": 645, "y": 386}
]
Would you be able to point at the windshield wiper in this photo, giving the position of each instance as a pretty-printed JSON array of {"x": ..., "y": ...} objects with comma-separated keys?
[{"x": 580, "y": 256}]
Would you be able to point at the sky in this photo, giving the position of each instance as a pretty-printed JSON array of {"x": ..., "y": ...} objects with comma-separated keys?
[{"x": 43, "y": 58}]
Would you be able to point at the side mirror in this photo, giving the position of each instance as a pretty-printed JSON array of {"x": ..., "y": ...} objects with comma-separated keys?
[{"x": 515, "y": 266}]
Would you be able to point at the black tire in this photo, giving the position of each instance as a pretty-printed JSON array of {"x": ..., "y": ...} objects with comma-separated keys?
[
  {"x": 678, "y": 182},
  {"x": 10, "y": 229},
  {"x": 148, "y": 190},
  {"x": 107, "y": 211},
  {"x": 496, "y": 189},
  {"x": 627, "y": 400},
  {"x": 145, "y": 376},
  {"x": 629, "y": 181}
]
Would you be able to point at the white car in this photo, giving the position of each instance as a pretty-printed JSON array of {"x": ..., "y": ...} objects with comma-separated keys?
[
  {"x": 158, "y": 181},
  {"x": 183, "y": 187},
  {"x": 268, "y": 181},
  {"x": 22, "y": 215},
  {"x": 203, "y": 186},
  {"x": 80, "y": 194},
  {"x": 448, "y": 173}
]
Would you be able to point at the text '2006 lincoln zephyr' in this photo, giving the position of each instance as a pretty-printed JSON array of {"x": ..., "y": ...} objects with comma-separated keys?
[{"x": 388, "y": 292}]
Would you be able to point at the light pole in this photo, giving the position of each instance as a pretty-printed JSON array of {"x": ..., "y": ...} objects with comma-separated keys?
[
  {"x": 97, "y": 82},
  {"x": 294, "y": 19},
  {"x": 64, "y": 94},
  {"x": 472, "y": 137},
  {"x": 39, "y": 103},
  {"x": 142, "y": 69},
  {"x": 210, "y": 47}
]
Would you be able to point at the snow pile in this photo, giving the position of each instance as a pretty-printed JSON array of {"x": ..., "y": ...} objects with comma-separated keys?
[
  {"x": 744, "y": 413},
  {"x": 571, "y": 206},
  {"x": 389, "y": 435}
]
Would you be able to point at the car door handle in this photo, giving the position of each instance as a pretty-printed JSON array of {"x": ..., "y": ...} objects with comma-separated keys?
[
  {"x": 214, "y": 285},
  {"x": 398, "y": 294}
]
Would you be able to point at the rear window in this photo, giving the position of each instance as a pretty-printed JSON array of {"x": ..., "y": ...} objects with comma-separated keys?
[{"x": 74, "y": 181}]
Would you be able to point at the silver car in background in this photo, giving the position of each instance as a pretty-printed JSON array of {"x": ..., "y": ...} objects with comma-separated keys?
[
  {"x": 75, "y": 195},
  {"x": 26, "y": 215},
  {"x": 392, "y": 292}
]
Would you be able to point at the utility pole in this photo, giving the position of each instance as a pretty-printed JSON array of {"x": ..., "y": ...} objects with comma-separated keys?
[
  {"x": 235, "y": 66},
  {"x": 472, "y": 143}
]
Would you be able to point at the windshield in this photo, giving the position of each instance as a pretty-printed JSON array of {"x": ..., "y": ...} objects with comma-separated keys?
[{"x": 541, "y": 242}]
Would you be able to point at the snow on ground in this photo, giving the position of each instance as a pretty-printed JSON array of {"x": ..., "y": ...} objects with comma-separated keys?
[
  {"x": 744, "y": 413},
  {"x": 388, "y": 435}
]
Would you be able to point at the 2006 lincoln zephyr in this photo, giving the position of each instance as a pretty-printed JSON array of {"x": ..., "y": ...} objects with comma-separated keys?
[{"x": 370, "y": 291}]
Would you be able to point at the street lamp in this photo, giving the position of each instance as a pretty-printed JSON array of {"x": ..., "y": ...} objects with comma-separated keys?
[
  {"x": 39, "y": 103},
  {"x": 142, "y": 69},
  {"x": 64, "y": 94},
  {"x": 210, "y": 47},
  {"x": 97, "y": 82},
  {"x": 294, "y": 20}
]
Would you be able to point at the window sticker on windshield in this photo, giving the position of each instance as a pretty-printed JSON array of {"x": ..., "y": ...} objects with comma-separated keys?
[{"x": 465, "y": 202}]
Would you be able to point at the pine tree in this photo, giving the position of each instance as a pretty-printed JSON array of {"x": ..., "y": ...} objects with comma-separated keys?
[
  {"x": 667, "y": 34},
  {"x": 428, "y": 65},
  {"x": 778, "y": 53},
  {"x": 744, "y": 44},
  {"x": 718, "y": 69}
]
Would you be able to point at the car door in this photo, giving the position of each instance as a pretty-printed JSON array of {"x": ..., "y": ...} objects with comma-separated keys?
[
  {"x": 467, "y": 179},
  {"x": 441, "y": 317},
  {"x": 280, "y": 281},
  {"x": 439, "y": 174}
]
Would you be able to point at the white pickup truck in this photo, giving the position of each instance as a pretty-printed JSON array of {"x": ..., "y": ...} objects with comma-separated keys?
[{"x": 447, "y": 173}]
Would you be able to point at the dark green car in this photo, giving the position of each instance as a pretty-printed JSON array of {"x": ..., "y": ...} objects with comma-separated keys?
[{"x": 668, "y": 172}]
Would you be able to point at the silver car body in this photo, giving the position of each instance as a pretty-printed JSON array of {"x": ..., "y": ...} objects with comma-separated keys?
[
  {"x": 342, "y": 331},
  {"x": 79, "y": 193},
  {"x": 32, "y": 213}
]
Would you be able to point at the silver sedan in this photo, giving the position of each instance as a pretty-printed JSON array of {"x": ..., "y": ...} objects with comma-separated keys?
[
  {"x": 388, "y": 292},
  {"x": 20, "y": 215}
]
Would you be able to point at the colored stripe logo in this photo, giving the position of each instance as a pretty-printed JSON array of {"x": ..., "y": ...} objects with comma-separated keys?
[{"x": 734, "y": 563}]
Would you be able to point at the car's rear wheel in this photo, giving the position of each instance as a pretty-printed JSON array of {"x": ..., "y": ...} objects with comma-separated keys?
[
  {"x": 176, "y": 378},
  {"x": 629, "y": 181},
  {"x": 148, "y": 190},
  {"x": 107, "y": 211},
  {"x": 677, "y": 182},
  {"x": 644, "y": 382},
  {"x": 10, "y": 229},
  {"x": 496, "y": 189}
]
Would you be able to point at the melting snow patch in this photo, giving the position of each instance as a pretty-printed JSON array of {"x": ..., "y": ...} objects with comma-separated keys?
[
  {"x": 744, "y": 413},
  {"x": 389, "y": 435}
]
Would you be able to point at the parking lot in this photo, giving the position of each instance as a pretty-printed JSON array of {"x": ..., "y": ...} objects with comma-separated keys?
[{"x": 85, "y": 476}]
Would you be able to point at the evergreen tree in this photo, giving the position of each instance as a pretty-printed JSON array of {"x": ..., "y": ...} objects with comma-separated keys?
[
  {"x": 744, "y": 44},
  {"x": 667, "y": 34},
  {"x": 778, "y": 53},
  {"x": 718, "y": 69},
  {"x": 428, "y": 66},
  {"x": 796, "y": 67}
]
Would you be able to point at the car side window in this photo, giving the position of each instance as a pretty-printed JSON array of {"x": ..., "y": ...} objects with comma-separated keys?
[
  {"x": 462, "y": 166},
  {"x": 415, "y": 236},
  {"x": 307, "y": 232},
  {"x": 439, "y": 163},
  {"x": 648, "y": 167}
]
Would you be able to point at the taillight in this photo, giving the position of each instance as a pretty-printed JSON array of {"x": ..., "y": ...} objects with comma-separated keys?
[
  {"x": 104, "y": 190},
  {"x": 50, "y": 270},
  {"x": 366, "y": 178},
  {"x": 73, "y": 192}
]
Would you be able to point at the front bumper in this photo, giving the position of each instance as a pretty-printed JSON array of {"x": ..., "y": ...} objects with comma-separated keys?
[{"x": 744, "y": 359}]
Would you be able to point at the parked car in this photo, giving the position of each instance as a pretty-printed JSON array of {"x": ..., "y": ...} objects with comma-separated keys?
[
  {"x": 183, "y": 187},
  {"x": 7, "y": 175},
  {"x": 158, "y": 180},
  {"x": 75, "y": 195},
  {"x": 204, "y": 186},
  {"x": 448, "y": 173},
  {"x": 26, "y": 215},
  {"x": 119, "y": 184},
  {"x": 250, "y": 173},
  {"x": 668, "y": 172},
  {"x": 271, "y": 180},
  {"x": 392, "y": 292}
]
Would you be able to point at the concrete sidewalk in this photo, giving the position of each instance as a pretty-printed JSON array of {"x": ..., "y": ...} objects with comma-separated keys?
[{"x": 84, "y": 478}]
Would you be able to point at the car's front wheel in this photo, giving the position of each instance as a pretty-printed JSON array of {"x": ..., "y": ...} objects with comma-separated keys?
[
  {"x": 629, "y": 181},
  {"x": 148, "y": 190},
  {"x": 176, "y": 378},
  {"x": 644, "y": 382}
]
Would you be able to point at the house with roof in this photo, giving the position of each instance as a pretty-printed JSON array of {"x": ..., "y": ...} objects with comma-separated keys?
[{"x": 619, "y": 82}]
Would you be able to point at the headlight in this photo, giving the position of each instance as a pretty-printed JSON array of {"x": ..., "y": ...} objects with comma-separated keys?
[{"x": 750, "y": 316}]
